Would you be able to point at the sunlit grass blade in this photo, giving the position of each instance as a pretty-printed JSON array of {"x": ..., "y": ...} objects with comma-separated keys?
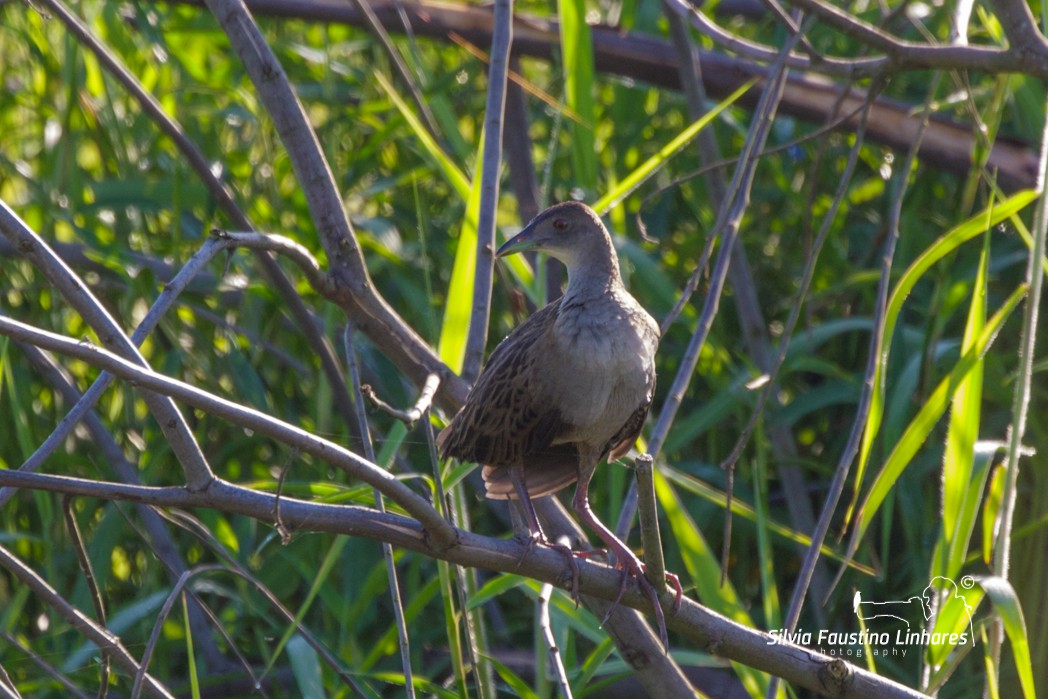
[
  {"x": 738, "y": 507},
  {"x": 921, "y": 425},
  {"x": 194, "y": 678},
  {"x": 650, "y": 166},
  {"x": 942, "y": 247},
  {"x": 454, "y": 331},
  {"x": 455, "y": 177},
  {"x": 576, "y": 45},
  {"x": 991, "y": 511},
  {"x": 959, "y": 494},
  {"x": 1006, "y": 604}
]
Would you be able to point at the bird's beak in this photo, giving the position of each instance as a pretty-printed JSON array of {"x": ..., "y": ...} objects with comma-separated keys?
[{"x": 521, "y": 242}]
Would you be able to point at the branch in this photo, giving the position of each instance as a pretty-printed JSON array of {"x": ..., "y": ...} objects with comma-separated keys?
[
  {"x": 66, "y": 282},
  {"x": 948, "y": 144},
  {"x": 355, "y": 292},
  {"x": 443, "y": 534},
  {"x": 100, "y": 635},
  {"x": 297, "y": 308},
  {"x": 710, "y": 631},
  {"x": 491, "y": 169}
]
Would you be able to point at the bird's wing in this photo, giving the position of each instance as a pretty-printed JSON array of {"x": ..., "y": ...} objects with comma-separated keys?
[
  {"x": 503, "y": 420},
  {"x": 620, "y": 445}
]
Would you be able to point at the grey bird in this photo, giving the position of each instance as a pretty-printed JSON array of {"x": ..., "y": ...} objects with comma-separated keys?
[{"x": 567, "y": 389}]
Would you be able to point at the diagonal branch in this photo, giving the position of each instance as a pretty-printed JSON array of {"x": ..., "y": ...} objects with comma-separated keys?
[
  {"x": 441, "y": 532},
  {"x": 710, "y": 631},
  {"x": 184, "y": 445},
  {"x": 354, "y": 291}
]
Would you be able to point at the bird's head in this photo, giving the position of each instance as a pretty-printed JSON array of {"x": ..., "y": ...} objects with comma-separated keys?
[{"x": 570, "y": 232}]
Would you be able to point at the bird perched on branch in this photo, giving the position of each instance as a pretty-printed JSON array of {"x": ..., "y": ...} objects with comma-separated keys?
[{"x": 568, "y": 388}]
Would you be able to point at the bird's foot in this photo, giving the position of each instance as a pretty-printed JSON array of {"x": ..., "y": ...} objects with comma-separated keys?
[
  {"x": 538, "y": 538},
  {"x": 633, "y": 567}
]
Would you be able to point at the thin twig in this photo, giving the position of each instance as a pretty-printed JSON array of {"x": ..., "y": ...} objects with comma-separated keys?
[
  {"x": 167, "y": 298},
  {"x": 399, "y": 65},
  {"x": 491, "y": 171},
  {"x": 98, "y": 634},
  {"x": 727, "y": 227},
  {"x": 416, "y": 411},
  {"x": 92, "y": 585},
  {"x": 1021, "y": 396},
  {"x": 172, "y": 423},
  {"x": 156, "y": 534},
  {"x": 555, "y": 659},
  {"x": 836, "y": 487},
  {"x": 403, "y": 639},
  {"x": 772, "y": 383},
  {"x": 356, "y": 294},
  {"x": 193, "y": 525},
  {"x": 67, "y": 685},
  {"x": 222, "y": 194}
]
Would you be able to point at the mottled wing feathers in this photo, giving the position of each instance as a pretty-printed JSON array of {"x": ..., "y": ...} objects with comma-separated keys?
[
  {"x": 623, "y": 441},
  {"x": 503, "y": 421}
]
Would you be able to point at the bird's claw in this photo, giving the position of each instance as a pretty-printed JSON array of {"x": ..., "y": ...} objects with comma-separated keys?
[
  {"x": 536, "y": 539},
  {"x": 632, "y": 567}
]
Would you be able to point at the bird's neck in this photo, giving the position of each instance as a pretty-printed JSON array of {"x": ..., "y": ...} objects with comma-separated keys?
[{"x": 593, "y": 273}]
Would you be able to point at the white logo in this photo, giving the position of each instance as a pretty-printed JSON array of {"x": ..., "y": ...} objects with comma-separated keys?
[{"x": 939, "y": 596}]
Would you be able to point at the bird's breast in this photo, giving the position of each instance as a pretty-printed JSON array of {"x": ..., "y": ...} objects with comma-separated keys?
[{"x": 604, "y": 368}]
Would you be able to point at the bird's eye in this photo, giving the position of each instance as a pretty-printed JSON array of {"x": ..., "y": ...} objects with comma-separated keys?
[{"x": 560, "y": 224}]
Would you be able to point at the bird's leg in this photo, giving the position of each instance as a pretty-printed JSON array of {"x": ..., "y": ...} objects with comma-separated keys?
[
  {"x": 537, "y": 536},
  {"x": 625, "y": 559}
]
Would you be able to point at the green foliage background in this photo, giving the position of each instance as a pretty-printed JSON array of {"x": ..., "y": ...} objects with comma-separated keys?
[{"x": 83, "y": 167}]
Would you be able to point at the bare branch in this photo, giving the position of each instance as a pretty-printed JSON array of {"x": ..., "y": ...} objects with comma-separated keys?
[
  {"x": 491, "y": 170},
  {"x": 415, "y": 412},
  {"x": 403, "y": 639},
  {"x": 65, "y": 281},
  {"x": 356, "y": 294},
  {"x": 336, "y": 455},
  {"x": 710, "y": 631},
  {"x": 78, "y": 620},
  {"x": 948, "y": 144},
  {"x": 223, "y": 197}
]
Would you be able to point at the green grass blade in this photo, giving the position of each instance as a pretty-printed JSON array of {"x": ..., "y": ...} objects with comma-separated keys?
[
  {"x": 306, "y": 667},
  {"x": 194, "y": 678},
  {"x": 738, "y": 507},
  {"x": 959, "y": 497},
  {"x": 576, "y": 44},
  {"x": 704, "y": 568},
  {"x": 447, "y": 167},
  {"x": 921, "y": 425},
  {"x": 455, "y": 329},
  {"x": 942, "y": 247},
  {"x": 652, "y": 165},
  {"x": 519, "y": 687},
  {"x": 1006, "y": 603}
]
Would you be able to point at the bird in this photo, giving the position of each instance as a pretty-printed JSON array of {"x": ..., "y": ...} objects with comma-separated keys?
[{"x": 567, "y": 389}]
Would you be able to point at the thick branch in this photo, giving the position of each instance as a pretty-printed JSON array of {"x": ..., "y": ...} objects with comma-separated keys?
[
  {"x": 323, "y": 449},
  {"x": 714, "y": 633},
  {"x": 947, "y": 144},
  {"x": 356, "y": 294}
]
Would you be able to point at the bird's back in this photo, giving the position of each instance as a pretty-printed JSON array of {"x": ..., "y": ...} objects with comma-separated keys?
[{"x": 569, "y": 374}]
